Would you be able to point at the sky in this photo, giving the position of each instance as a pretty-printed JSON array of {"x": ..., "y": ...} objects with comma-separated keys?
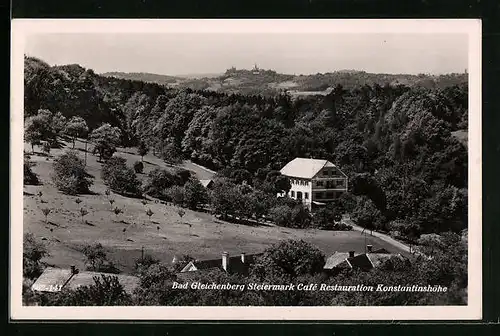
[{"x": 187, "y": 54}]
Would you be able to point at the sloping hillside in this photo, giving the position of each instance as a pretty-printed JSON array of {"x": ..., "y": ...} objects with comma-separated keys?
[{"x": 270, "y": 82}]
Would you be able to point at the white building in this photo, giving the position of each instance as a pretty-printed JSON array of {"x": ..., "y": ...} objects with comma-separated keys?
[{"x": 314, "y": 181}]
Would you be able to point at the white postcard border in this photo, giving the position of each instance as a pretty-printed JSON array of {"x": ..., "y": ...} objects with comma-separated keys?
[{"x": 21, "y": 28}]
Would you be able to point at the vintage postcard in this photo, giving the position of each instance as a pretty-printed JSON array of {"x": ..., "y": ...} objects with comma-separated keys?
[{"x": 246, "y": 170}]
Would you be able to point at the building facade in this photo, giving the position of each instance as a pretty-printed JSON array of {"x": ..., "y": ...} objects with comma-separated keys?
[{"x": 314, "y": 182}]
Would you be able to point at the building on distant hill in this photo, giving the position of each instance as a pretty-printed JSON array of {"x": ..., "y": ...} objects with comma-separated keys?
[
  {"x": 339, "y": 261},
  {"x": 314, "y": 182},
  {"x": 56, "y": 279},
  {"x": 256, "y": 69},
  {"x": 232, "y": 265}
]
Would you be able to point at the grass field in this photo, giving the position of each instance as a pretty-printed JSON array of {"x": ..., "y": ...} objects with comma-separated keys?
[{"x": 198, "y": 234}]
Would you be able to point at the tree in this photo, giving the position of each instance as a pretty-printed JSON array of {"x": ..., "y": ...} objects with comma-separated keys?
[
  {"x": 70, "y": 175},
  {"x": 326, "y": 218},
  {"x": 46, "y": 148},
  {"x": 117, "y": 211},
  {"x": 149, "y": 213},
  {"x": 95, "y": 256},
  {"x": 76, "y": 127},
  {"x": 106, "y": 139},
  {"x": 289, "y": 258},
  {"x": 281, "y": 215},
  {"x": 33, "y": 252},
  {"x": 46, "y": 212},
  {"x": 225, "y": 198},
  {"x": 257, "y": 203},
  {"x": 83, "y": 213},
  {"x": 176, "y": 195},
  {"x": 181, "y": 212},
  {"x": 367, "y": 215},
  {"x": 277, "y": 183},
  {"x": 142, "y": 149},
  {"x": 120, "y": 178},
  {"x": 195, "y": 193},
  {"x": 58, "y": 123},
  {"x": 155, "y": 286},
  {"x": 159, "y": 181},
  {"x": 105, "y": 291},
  {"x": 29, "y": 177},
  {"x": 171, "y": 153},
  {"x": 296, "y": 216},
  {"x": 38, "y": 128},
  {"x": 138, "y": 167}
]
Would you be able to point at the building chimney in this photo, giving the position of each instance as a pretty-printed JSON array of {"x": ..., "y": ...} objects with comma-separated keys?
[
  {"x": 242, "y": 257},
  {"x": 351, "y": 254},
  {"x": 369, "y": 248},
  {"x": 225, "y": 261}
]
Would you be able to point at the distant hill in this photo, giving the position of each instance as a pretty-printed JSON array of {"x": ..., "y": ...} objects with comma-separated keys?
[
  {"x": 269, "y": 82},
  {"x": 143, "y": 76}
]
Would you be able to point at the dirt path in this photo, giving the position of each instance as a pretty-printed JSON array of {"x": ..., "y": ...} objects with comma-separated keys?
[{"x": 379, "y": 235}]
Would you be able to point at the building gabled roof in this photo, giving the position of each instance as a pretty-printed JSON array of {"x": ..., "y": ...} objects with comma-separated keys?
[
  {"x": 55, "y": 279},
  {"x": 129, "y": 282},
  {"x": 305, "y": 168},
  {"x": 235, "y": 264},
  {"x": 360, "y": 261},
  {"x": 364, "y": 261},
  {"x": 52, "y": 280},
  {"x": 336, "y": 259},
  {"x": 206, "y": 183}
]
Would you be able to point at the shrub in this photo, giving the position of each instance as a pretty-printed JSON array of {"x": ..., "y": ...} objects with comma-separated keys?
[
  {"x": 143, "y": 263},
  {"x": 96, "y": 259},
  {"x": 69, "y": 174},
  {"x": 158, "y": 182},
  {"x": 295, "y": 217},
  {"x": 183, "y": 174},
  {"x": 120, "y": 178},
  {"x": 30, "y": 178},
  {"x": 105, "y": 291},
  {"x": 33, "y": 252},
  {"x": 281, "y": 215},
  {"x": 326, "y": 218},
  {"x": 176, "y": 194},
  {"x": 138, "y": 167}
]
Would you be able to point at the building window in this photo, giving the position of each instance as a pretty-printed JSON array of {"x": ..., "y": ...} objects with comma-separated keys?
[
  {"x": 329, "y": 195},
  {"x": 306, "y": 195},
  {"x": 325, "y": 172},
  {"x": 299, "y": 195},
  {"x": 319, "y": 195},
  {"x": 319, "y": 183},
  {"x": 292, "y": 193},
  {"x": 340, "y": 183}
]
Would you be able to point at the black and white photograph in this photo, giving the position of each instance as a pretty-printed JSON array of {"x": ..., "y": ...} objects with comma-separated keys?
[{"x": 246, "y": 169}]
